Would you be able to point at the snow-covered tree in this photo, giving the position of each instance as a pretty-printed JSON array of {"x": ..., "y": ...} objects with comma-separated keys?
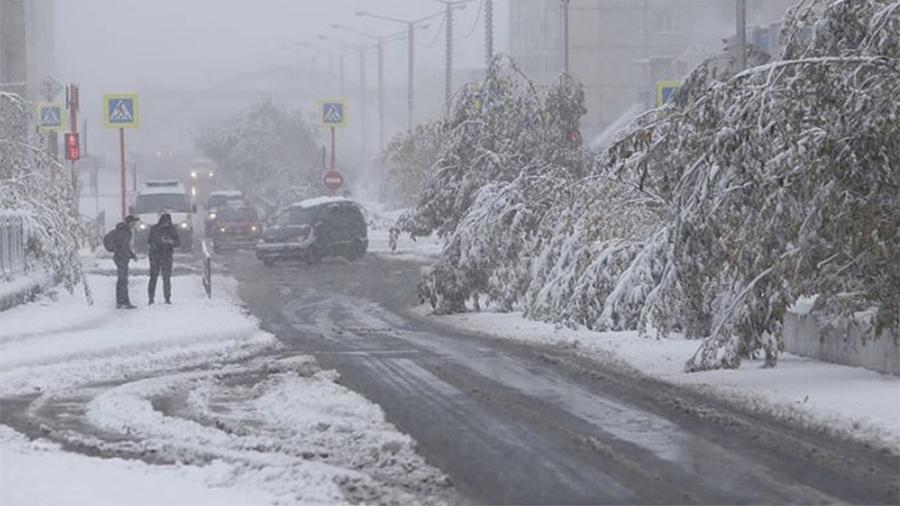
[
  {"x": 496, "y": 128},
  {"x": 782, "y": 181},
  {"x": 509, "y": 152},
  {"x": 408, "y": 159},
  {"x": 36, "y": 188},
  {"x": 268, "y": 150}
]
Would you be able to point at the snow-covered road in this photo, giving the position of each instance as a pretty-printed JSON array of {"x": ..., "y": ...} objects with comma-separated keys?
[{"x": 530, "y": 423}]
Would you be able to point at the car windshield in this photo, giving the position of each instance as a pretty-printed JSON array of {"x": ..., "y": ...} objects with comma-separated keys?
[
  {"x": 157, "y": 202},
  {"x": 239, "y": 214},
  {"x": 296, "y": 216},
  {"x": 219, "y": 200}
]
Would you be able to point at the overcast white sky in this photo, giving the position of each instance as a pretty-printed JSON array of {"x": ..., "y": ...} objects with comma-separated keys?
[{"x": 125, "y": 44}]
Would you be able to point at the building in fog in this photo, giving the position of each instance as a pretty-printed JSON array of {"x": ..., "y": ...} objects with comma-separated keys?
[
  {"x": 620, "y": 49},
  {"x": 27, "y": 42}
]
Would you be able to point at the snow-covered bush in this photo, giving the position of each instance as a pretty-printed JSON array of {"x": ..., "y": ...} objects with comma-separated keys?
[
  {"x": 508, "y": 153},
  {"x": 408, "y": 159},
  {"x": 782, "y": 181},
  {"x": 269, "y": 151},
  {"x": 35, "y": 187},
  {"x": 495, "y": 129}
]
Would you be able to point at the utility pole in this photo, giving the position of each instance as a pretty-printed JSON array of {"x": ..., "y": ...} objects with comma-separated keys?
[
  {"x": 411, "y": 25},
  {"x": 448, "y": 46},
  {"x": 410, "y": 77},
  {"x": 741, "y": 60},
  {"x": 488, "y": 32},
  {"x": 363, "y": 106},
  {"x": 448, "y": 57},
  {"x": 565, "y": 35}
]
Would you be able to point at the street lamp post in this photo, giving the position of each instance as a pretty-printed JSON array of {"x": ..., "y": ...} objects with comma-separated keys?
[
  {"x": 411, "y": 41},
  {"x": 565, "y": 34},
  {"x": 448, "y": 48},
  {"x": 741, "y": 35},
  {"x": 379, "y": 45}
]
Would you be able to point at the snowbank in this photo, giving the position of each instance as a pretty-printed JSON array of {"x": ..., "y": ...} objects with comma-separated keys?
[
  {"x": 859, "y": 402},
  {"x": 31, "y": 474}
]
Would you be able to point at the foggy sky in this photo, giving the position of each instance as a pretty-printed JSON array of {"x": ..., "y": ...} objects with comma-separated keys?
[{"x": 126, "y": 44}]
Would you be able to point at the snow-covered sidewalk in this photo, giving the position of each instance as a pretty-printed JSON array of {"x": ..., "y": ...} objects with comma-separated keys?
[
  {"x": 855, "y": 401},
  {"x": 295, "y": 437}
]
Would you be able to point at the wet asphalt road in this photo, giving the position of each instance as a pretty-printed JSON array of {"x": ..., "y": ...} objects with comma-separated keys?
[{"x": 523, "y": 424}]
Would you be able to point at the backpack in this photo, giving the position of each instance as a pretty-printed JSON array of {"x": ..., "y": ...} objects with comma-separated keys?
[{"x": 110, "y": 239}]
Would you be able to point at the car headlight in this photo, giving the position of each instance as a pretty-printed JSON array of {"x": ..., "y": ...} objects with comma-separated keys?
[
  {"x": 142, "y": 226},
  {"x": 254, "y": 228},
  {"x": 185, "y": 224},
  {"x": 212, "y": 216},
  {"x": 222, "y": 229}
]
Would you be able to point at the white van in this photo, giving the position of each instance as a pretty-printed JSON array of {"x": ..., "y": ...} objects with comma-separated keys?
[{"x": 156, "y": 197}]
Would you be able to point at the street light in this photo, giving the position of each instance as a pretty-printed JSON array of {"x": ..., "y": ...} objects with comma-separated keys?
[
  {"x": 411, "y": 38},
  {"x": 564, "y": 4},
  {"x": 381, "y": 39}
]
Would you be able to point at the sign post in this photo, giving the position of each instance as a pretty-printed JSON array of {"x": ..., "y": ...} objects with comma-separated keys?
[
  {"x": 332, "y": 114},
  {"x": 50, "y": 88},
  {"x": 121, "y": 110},
  {"x": 73, "y": 152}
]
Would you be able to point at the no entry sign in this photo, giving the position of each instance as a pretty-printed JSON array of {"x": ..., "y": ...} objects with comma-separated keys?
[{"x": 333, "y": 180}]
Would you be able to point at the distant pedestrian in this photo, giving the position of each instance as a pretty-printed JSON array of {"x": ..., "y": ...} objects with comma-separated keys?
[
  {"x": 162, "y": 242},
  {"x": 119, "y": 242}
]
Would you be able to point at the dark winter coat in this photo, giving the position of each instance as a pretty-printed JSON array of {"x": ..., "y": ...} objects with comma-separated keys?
[
  {"x": 163, "y": 238},
  {"x": 122, "y": 251}
]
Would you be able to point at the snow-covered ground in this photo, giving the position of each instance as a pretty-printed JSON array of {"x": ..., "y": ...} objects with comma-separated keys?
[
  {"x": 250, "y": 422},
  {"x": 421, "y": 249},
  {"x": 855, "y": 401}
]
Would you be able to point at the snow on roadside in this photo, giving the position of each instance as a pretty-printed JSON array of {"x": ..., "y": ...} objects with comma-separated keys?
[
  {"x": 36, "y": 472},
  {"x": 856, "y": 401},
  {"x": 422, "y": 249},
  {"x": 54, "y": 344},
  {"x": 254, "y": 428}
]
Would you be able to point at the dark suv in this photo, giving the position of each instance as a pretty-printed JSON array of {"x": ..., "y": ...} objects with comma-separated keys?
[{"x": 315, "y": 228}]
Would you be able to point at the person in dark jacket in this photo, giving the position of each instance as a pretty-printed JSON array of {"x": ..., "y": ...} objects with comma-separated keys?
[
  {"x": 163, "y": 240},
  {"x": 122, "y": 254}
]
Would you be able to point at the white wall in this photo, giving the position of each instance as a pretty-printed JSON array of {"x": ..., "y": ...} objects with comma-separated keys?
[{"x": 802, "y": 336}]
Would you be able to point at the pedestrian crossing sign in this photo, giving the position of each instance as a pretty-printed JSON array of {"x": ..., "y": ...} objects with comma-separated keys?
[
  {"x": 333, "y": 112},
  {"x": 51, "y": 116},
  {"x": 120, "y": 110},
  {"x": 665, "y": 90}
]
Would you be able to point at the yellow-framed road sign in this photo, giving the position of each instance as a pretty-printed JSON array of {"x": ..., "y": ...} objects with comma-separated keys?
[
  {"x": 665, "y": 90},
  {"x": 51, "y": 116},
  {"x": 121, "y": 110},
  {"x": 332, "y": 112}
]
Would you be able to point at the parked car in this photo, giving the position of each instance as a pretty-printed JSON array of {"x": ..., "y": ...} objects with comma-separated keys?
[
  {"x": 156, "y": 197},
  {"x": 237, "y": 226},
  {"x": 216, "y": 200},
  {"x": 315, "y": 228}
]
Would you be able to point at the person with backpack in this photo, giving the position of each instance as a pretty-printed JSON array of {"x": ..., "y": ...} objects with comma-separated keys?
[
  {"x": 162, "y": 241},
  {"x": 118, "y": 242}
]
